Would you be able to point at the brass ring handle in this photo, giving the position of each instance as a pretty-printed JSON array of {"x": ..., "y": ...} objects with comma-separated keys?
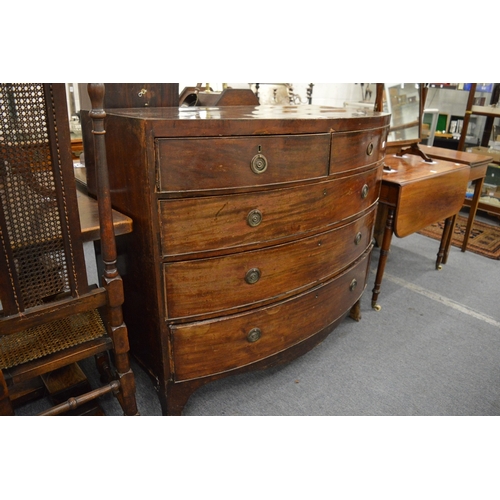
[
  {"x": 369, "y": 149},
  {"x": 353, "y": 285},
  {"x": 258, "y": 164},
  {"x": 253, "y": 335},
  {"x": 252, "y": 276},
  {"x": 254, "y": 218},
  {"x": 364, "y": 191},
  {"x": 357, "y": 239}
]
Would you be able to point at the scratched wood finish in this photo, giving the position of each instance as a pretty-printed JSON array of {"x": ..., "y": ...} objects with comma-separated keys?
[
  {"x": 193, "y": 287},
  {"x": 250, "y": 120},
  {"x": 218, "y": 163},
  {"x": 201, "y": 225},
  {"x": 209, "y": 347},
  {"x": 184, "y": 176}
]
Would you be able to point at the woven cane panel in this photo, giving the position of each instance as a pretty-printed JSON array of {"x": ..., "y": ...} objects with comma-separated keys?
[
  {"x": 28, "y": 194},
  {"x": 39, "y": 341}
]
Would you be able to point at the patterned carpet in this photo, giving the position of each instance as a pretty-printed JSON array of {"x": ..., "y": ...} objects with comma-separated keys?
[{"x": 484, "y": 238}]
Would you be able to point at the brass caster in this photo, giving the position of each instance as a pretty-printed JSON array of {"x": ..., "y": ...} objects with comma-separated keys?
[
  {"x": 376, "y": 307},
  {"x": 439, "y": 267}
]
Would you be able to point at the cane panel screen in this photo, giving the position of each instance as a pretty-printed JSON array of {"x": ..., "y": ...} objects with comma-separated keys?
[{"x": 36, "y": 241}]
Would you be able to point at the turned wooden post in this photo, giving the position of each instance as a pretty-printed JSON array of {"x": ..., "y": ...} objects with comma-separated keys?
[{"x": 111, "y": 278}]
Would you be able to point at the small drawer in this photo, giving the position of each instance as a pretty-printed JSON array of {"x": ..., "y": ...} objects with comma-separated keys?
[
  {"x": 215, "y": 346},
  {"x": 196, "y": 226},
  {"x": 213, "y": 286},
  {"x": 200, "y": 164},
  {"x": 353, "y": 150}
]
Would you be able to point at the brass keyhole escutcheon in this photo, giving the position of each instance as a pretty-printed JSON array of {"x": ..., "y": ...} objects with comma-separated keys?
[
  {"x": 364, "y": 191},
  {"x": 258, "y": 164},
  {"x": 254, "y": 218},
  {"x": 353, "y": 285},
  {"x": 369, "y": 149},
  {"x": 357, "y": 239},
  {"x": 252, "y": 276},
  {"x": 254, "y": 334}
]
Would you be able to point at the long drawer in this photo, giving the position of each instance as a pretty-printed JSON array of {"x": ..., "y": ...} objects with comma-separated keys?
[
  {"x": 199, "y": 164},
  {"x": 213, "y": 286},
  {"x": 193, "y": 226},
  {"x": 214, "y": 346}
]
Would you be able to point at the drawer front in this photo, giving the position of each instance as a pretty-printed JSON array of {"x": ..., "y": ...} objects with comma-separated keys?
[
  {"x": 215, "y": 346},
  {"x": 352, "y": 150},
  {"x": 214, "y": 286},
  {"x": 197, "y": 225},
  {"x": 196, "y": 165}
]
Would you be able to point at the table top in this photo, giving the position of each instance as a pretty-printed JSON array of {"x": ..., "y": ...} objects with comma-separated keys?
[
  {"x": 409, "y": 169},
  {"x": 471, "y": 159},
  {"x": 487, "y": 151},
  {"x": 89, "y": 219}
]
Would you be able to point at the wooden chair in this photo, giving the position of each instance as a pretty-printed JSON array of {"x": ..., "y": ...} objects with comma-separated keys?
[{"x": 49, "y": 315}]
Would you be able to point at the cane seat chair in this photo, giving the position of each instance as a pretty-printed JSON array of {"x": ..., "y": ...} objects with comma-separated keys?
[{"x": 49, "y": 315}]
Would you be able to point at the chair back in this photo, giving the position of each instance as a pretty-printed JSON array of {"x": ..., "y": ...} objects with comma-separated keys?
[{"x": 42, "y": 260}]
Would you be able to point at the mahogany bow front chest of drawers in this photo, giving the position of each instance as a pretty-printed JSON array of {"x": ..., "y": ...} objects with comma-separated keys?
[{"x": 252, "y": 232}]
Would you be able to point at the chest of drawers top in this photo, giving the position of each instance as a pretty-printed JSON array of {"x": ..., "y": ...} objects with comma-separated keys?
[{"x": 244, "y": 120}]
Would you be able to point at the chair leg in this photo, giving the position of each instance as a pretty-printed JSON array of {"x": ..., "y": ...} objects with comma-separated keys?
[
  {"x": 5, "y": 404},
  {"x": 126, "y": 395},
  {"x": 103, "y": 365}
]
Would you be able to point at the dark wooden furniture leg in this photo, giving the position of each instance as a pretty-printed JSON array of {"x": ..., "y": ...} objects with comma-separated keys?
[
  {"x": 384, "y": 252},
  {"x": 111, "y": 278},
  {"x": 5, "y": 404},
  {"x": 478, "y": 186},
  {"x": 176, "y": 395},
  {"x": 448, "y": 239},
  {"x": 445, "y": 240},
  {"x": 355, "y": 312}
]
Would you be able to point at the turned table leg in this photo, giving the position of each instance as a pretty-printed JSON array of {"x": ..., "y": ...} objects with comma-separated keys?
[{"x": 384, "y": 252}]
